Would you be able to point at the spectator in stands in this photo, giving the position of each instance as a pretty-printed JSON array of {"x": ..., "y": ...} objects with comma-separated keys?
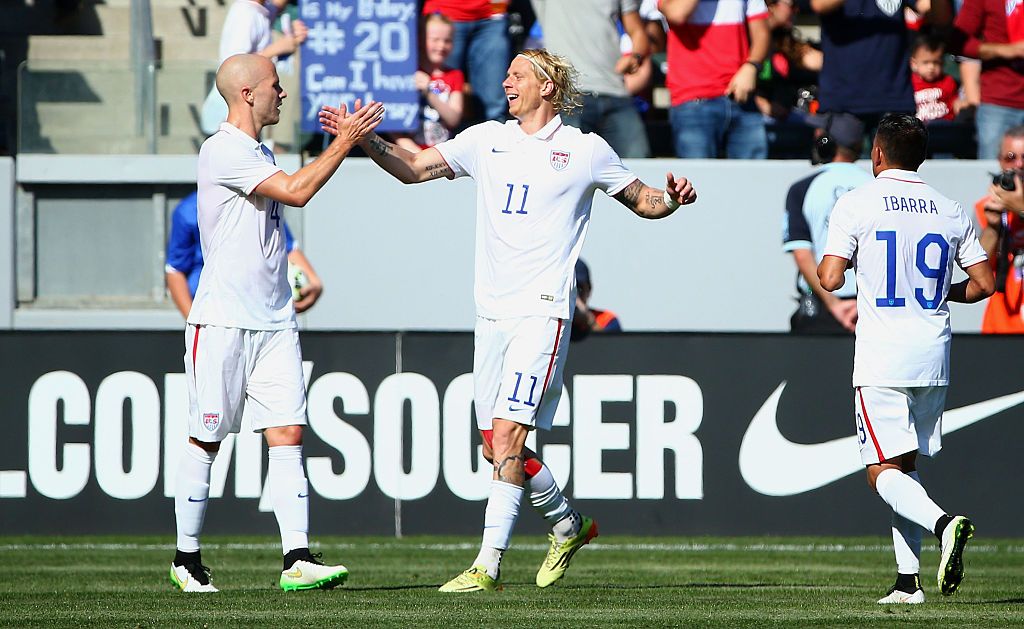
[
  {"x": 993, "y": 31},
  {"x": 586, "y": 31},
  {"x": 865, "y": 45},
  {"x": 1001, "y": 213},
  {"x": 481, "y": 47},
  {"x": 715, "y": 50},
  {"x": 935, "y": 92},
  {"x": 586, "y": 319},
  {"x": 440, "y": 87},
  {"x": 787, "y": 79},
  {"x": 185, "y": 260},
  {"x": 809, "y": 204},
  {"x": 247, "y": 29}
]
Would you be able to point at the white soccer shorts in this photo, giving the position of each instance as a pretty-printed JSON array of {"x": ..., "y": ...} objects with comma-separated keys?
[
  {"x": 517, "y": 369},
  {"x": 895, "y": 420},
  {"x": 229, "y": 368}
]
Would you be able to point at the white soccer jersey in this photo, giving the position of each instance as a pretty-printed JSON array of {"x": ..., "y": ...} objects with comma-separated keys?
[
  {"x": 246, "y": 29},
  {"x": 534, "y": 194},
  {"x": 244, "y": 283},
  {"x": 903, "y": 237}
]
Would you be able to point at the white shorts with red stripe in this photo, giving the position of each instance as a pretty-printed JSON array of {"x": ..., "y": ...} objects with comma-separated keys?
[
  {"x": 517, "y": 369},
  {"x": 229, "y": 370},
  {"x": 895, "y": 420}
]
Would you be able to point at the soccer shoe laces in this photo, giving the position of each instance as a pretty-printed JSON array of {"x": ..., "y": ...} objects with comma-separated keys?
[
  {"x": 315, "y": 558},
  {"x": 199, "y": 572}
]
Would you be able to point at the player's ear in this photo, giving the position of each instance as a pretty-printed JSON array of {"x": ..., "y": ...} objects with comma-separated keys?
[{"x": 547, "y": 89}]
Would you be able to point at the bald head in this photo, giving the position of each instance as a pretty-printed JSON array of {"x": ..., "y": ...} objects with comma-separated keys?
[{"x": 241, "y": 71}]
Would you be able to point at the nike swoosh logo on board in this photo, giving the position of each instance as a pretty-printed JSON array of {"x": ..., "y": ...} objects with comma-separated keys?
[
  {"x": 303, "y": 495},
  {"x": 191, "y": 499},
  {"x": 768, "y": 460}
]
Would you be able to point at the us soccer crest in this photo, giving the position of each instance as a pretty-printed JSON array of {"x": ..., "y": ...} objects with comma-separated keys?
[
  {"x": 211, "y": 421},
  {"x": 559, "y": 160},
  {"x": 889, "y": 7}
]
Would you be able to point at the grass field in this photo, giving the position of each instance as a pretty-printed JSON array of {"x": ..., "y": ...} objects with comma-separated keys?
[{"x": 625, "y": 582}]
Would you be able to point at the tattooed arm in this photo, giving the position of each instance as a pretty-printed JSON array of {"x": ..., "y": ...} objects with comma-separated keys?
[
  {"x": 404, "y": 165},
  {"x": 648, "y": 202}
]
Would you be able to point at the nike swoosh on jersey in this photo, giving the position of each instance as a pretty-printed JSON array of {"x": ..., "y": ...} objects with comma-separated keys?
[
  {"x": 303, "y": 495},
  {"x": 767, "y": 459},
  {"x": 494, "y": 150}
]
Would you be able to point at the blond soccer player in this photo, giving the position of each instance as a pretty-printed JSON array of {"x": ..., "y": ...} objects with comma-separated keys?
[{"x": 536, "y": 179}]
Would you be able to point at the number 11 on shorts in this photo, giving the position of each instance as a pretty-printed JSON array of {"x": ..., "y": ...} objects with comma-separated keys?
[{"x": 515, "y": 392}]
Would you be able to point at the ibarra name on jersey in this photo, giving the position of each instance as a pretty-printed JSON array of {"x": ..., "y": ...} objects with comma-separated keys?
[{"x": 904, "y": 204}]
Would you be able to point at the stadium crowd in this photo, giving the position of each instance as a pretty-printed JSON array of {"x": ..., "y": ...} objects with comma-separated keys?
[{"x": 739, "y": 78}]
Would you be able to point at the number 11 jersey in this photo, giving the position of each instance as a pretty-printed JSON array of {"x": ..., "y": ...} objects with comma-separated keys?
[
  {"x": 903, "y": 237},
  {"x": 534, "y": 194}
]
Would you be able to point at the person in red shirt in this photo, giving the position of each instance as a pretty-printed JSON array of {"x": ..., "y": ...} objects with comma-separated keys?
[
  {"x": 1001, "y": 213},
  {"x": 935, "y": 92},
  {"x": 993, "y": 31},
  {"x": 481, "y": 47},
  {"x": 440, "y": 87},
  {"x": 715, "y": 50}
]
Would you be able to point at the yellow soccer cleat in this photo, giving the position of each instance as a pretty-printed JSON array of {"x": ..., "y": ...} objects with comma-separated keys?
[
  {"x": 951, "y": 560},
  {"x": 560, "y": 554},
  {"x": 475, "y": 579}
]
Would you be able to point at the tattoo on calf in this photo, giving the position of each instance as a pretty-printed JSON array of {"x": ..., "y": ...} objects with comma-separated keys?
[{"x": 510, "y": 470}]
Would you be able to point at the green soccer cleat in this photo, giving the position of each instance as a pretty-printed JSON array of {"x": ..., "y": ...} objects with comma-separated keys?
[
  {"x": 560, "y": 554},
  {"x": 311, "y": 574},
  {"x": 475, "y": 579},
  {"x": 951, "y": 563}
]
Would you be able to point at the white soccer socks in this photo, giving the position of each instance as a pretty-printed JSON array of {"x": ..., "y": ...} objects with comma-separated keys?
[
  {"x": 289, "y": 495},
  {"x": 548, "y": 501},
  {"x": 191, "y": 495},
  {"x": 499, "y": 519},
  {"x": 907, "y": 498},
  {"x": 906, "y": 540}
]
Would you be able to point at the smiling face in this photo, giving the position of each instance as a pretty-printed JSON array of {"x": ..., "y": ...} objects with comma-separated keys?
[
  {"x": 523, "y": 90},
  {"x": 438, "y": 38}
]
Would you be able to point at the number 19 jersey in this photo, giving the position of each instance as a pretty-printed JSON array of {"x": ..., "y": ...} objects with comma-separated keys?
[
  {"x": 903, "y": 237},
  {"x": 534, "y": 194}
]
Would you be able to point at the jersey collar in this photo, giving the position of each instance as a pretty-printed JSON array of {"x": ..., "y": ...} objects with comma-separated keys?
[
  {"x": 241, "y": 136},
  {"x": 897, "y": 174},
  {"x": 544, "y": 133}
]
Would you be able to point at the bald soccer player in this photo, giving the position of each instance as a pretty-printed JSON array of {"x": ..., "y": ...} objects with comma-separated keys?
[{"x": 241, "y": 341}]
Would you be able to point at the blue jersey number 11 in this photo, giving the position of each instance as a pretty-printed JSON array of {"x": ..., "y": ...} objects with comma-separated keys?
[{"x": 937, "y": 273}]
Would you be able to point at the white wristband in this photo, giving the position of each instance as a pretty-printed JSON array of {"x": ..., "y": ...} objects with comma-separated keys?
[{"x": 670, "y": 203}]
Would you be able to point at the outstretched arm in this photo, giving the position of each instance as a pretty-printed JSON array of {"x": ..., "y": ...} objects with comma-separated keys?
[
  {"x": 298, "y": 188},
  {"x": 403, "y": 165},
  {"x": 648, "y": 202}
]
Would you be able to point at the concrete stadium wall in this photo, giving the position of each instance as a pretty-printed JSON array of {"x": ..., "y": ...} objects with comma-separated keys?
[{"x": 399, "y": 257}]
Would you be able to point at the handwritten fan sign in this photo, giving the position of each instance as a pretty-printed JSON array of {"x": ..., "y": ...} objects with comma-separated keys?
[{"x": 363, "y": 49}]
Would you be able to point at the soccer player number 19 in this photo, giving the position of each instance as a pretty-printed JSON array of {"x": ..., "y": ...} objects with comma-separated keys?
[{"x": 937, "y": 273}]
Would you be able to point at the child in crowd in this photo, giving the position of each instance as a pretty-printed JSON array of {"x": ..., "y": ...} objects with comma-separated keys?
[
  {"x": 440, "y": 87},
  {"x": 935, "y": 92}
]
